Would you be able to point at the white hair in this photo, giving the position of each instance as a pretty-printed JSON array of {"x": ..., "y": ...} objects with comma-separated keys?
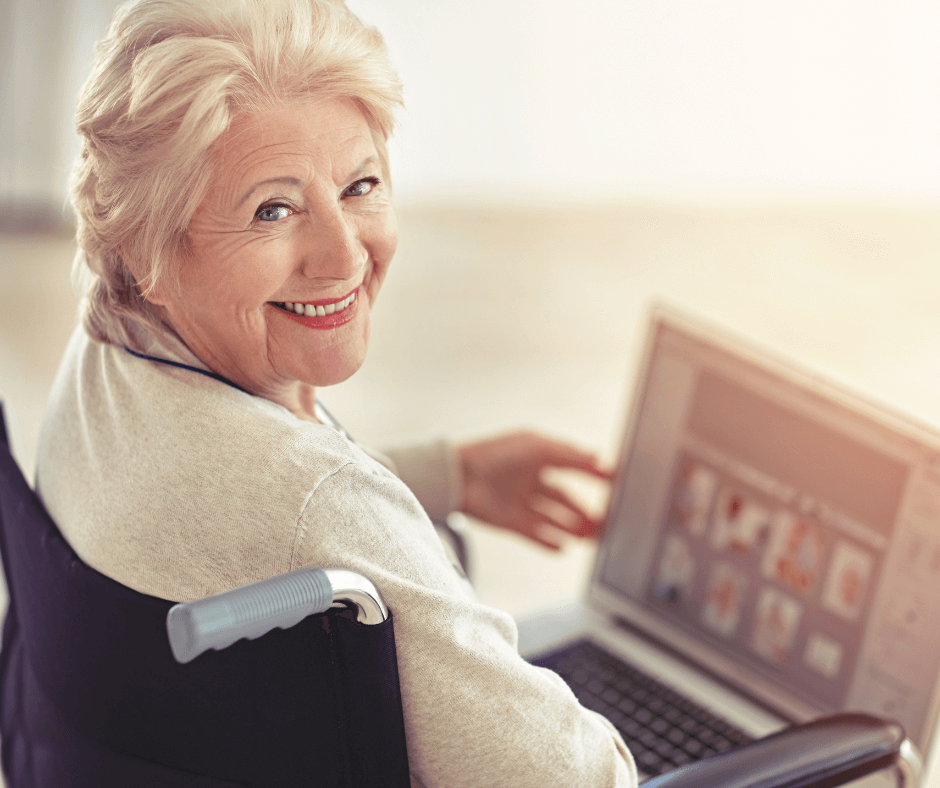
[{"x": 169, "y": 78}]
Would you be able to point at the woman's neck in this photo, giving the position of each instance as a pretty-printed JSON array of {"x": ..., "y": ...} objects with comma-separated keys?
[{"x": 300, "y": 399}]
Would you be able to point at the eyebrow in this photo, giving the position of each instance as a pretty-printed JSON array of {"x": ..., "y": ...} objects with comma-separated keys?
[
  {"x": 289, "y": 181},
  {"x": 285, "y": 180}
]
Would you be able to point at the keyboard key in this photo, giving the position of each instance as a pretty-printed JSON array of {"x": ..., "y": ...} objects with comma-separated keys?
[
  {"x": 578, "y": 677},
  {"x": 650, "y": 762},
  {"x": 629, "y": 727},
  {"x": 656, "y": 705},
  {"x": 663, "y": 729},
  {"x": 674, "y": 716},
  {"x": 660, "y": 726},
  {"x": 721, "y": 744},
  {"x": 614, "y": 715},
  {"x": 665, "y": 750},
  {"x": 680, "y": 758},
  {"x": 592, "y": 702},
  {"x": 714, "y": 740},
  {"x": 627, "y": 706},
  {"x": 691, "y": 727}
]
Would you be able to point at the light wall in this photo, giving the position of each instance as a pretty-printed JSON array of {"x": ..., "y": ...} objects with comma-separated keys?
[
  {"x": 532, "y": 101},
  {"x": 46, "y": 53}
]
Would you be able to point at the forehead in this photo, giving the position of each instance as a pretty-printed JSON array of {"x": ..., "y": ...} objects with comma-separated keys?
[{"x": 326, "y": 138}]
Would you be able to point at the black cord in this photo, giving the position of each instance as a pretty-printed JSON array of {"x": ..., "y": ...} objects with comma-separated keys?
[{"x": 180, "y": 365}]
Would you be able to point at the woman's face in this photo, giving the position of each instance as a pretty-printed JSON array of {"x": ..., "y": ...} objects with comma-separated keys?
[{"x": 289, "y": 248}]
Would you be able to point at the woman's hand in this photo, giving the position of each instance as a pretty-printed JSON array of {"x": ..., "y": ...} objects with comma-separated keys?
[{"x": 504, "y": 485}]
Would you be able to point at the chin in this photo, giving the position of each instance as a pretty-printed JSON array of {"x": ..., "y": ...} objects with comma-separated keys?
[
  {"x": 333, "y": 377},
  {"x": 335, "y": 371},
  {"x": 334, "y": 362}
]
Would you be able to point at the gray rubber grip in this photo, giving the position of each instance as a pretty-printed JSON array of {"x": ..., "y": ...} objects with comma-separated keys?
[{"x": 248, "y": 612}]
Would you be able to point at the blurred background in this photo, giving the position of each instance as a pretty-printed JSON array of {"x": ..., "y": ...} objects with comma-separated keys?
[{"x": 773, "y": 167}]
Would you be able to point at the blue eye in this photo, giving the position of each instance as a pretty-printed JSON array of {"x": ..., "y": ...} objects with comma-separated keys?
[
  {"x": 271, "y": 213},
  {"x": 362, "y": 188}
]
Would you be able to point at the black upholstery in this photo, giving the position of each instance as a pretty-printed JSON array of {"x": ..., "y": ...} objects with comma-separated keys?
[{"x": 90, "y": 693}]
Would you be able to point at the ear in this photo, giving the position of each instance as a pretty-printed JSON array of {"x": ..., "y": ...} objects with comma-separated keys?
[
  {"x": 151, "y": 295},
  {"x": 154, "y": 297}
]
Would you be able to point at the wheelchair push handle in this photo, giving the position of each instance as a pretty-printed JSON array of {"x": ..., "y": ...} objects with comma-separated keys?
[{"x": 253, "y": 610}]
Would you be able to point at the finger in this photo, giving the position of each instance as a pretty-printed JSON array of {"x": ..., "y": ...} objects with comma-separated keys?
[
  {"x": 560, "y": 455},
  {"x": 571, "y": 524},
  {"x": 585, "y": 528},
  {"x": 562, "y": 519},
  {"x": 562, "y": 498},
  {"x": 589, "y": 529},
  {"x": 532, "y": 525},
  {"x": 549, "y": 537},
  {"x": 555, "y": 547},
  {"x": 537, "y": 530}
]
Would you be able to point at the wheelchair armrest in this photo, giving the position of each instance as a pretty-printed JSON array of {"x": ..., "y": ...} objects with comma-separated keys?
[
  {"x": 823, "y": 753},
  {"x": 254, "y": 610}
]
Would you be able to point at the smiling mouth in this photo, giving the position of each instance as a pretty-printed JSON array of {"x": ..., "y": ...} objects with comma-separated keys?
[{"x": 316, "y": 310}]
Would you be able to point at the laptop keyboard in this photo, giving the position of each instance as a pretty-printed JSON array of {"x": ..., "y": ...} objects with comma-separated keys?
[{"x": 663, "y": 729}]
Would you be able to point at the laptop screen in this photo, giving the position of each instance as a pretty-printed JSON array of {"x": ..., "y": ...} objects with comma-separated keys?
[{"x": 781, "y": 525}]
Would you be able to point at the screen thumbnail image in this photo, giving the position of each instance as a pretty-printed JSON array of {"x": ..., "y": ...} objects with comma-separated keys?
[
  {"x": 724, "y": 598},
  {"x": 847, "y": 581},
  {"x": 796, "y": 552},
  {"x": 741, "y": 524},
  {"x": 823, "y": 654},
  {"x": 695, "y": 494},
  {"x": 676, "y": 571},
  {"x": 775, "y": 624}
]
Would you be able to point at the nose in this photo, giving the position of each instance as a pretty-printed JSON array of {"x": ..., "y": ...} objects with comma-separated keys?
[{"x": 332, "y": 249}]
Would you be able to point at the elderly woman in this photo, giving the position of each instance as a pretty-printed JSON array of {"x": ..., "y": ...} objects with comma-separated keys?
[{"x": 235, "y": 228}]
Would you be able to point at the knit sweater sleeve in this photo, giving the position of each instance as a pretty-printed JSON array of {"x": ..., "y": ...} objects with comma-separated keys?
[
  {"x": 432, "y": 472},
  {"x": 475, "y": 712}
]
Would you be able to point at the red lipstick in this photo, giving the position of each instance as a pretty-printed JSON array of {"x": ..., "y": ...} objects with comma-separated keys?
[{"x": 338, "y": 318}]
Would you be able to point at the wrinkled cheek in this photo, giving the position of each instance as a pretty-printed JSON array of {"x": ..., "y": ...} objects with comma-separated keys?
[
  {"x": 254, "y": 321},
  {"x": 384, "y": 248},
  {"x": 374, "y": 279}
]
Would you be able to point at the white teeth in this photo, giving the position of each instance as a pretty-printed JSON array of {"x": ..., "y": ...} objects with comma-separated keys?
[{"x": 309, "y": 310}]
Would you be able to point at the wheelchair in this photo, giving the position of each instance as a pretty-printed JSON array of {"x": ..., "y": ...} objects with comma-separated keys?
[{"x": 288, "y": 682}]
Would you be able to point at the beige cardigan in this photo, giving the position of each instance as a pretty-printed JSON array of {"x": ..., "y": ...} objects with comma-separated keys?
[{"x": 181, "y": 486}]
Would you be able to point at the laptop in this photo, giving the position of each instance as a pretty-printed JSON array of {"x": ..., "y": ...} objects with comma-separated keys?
[{"x": 772, "y": 554}]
